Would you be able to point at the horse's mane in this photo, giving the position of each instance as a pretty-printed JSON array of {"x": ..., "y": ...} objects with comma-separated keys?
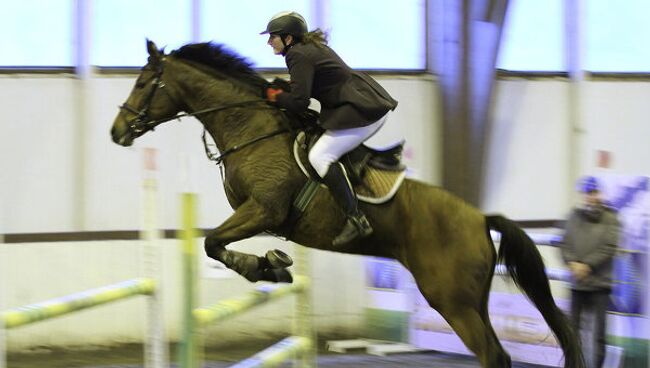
[{"x": 222, "y": 59}]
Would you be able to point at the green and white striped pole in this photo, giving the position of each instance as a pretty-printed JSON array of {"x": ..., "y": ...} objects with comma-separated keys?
[
  {"x": 31, "y": 313},
  {"x": 262, "y": 294}
]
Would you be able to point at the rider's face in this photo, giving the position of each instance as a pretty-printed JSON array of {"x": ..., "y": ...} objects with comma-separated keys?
[{"x": 275, "y": 41}]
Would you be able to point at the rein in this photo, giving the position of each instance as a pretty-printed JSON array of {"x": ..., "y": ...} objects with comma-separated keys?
[
  {"x": 141, "y": 124},
  {"x": 218, "y": 159},
  {"x": 155, "y": 122}
]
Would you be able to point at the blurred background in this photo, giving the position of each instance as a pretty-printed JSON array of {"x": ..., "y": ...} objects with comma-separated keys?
[{"x": 505, "y": 103}]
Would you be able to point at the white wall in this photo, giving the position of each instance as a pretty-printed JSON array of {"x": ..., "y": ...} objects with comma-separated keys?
[
  {"x": 44, "y": 158},
  {"x": 37, "y": 161},
  {"x": 527, "y": 173},
  {"x": 526, "y": 170},
  {"x": 39, "y": 191},
  {"x": 527, "y": 152}
]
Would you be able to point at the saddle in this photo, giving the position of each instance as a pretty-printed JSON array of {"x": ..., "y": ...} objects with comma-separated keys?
[{"x": 375, "y": 174}]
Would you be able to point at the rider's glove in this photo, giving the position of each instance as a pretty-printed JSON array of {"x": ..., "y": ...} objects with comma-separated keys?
[{"x": 272, "y": 93}]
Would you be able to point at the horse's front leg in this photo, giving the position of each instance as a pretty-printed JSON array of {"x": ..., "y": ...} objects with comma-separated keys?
[{"x": 249, "y": 219}]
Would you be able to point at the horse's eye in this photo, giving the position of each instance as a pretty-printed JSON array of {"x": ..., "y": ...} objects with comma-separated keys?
[{"x": 139, "y": 84}]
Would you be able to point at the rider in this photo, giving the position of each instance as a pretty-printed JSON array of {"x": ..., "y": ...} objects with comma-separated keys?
[{"x": 353, "y": 107}]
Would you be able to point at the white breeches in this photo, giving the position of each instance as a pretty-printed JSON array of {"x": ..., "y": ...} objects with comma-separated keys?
[{"x": 335, "y": 143}]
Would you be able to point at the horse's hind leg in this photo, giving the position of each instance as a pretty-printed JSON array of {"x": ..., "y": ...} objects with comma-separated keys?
[
  {"x": 480, "y": 338},
  {"x": 502, "y": 356}
]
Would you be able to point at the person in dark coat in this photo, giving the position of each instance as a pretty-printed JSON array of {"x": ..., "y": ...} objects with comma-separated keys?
[
  {"x": 588, "y": 248},
  {"x": 353, "y": 107}
]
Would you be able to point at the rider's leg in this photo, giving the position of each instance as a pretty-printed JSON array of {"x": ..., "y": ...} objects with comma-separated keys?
[{"x": 324, "y": 156}]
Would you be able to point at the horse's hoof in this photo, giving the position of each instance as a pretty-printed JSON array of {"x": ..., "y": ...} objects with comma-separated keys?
[
  {"x": 270, "y": 275},
  {"x": 278, "y": 259},
  {"x": 277, "y": 275}
]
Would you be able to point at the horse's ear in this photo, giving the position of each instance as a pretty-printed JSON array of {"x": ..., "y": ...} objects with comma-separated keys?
[{"x": 154, "y": 53}]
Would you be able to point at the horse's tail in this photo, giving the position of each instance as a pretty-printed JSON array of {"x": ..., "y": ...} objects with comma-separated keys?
[{"x": 524, "y": 263}]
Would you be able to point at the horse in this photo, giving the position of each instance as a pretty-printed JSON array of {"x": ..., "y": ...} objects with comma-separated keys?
[{"x": 443, "y": 241}]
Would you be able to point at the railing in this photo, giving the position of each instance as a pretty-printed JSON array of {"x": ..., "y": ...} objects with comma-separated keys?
[
  {"x": 75, "y": 302},
  {"x": 32, "y": 313},
  {"x": 155, "y": 343},
  {"x": 301, "y": 345}
]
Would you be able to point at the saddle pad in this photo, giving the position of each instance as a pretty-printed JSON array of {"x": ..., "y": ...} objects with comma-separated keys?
[{"x": 378, "y": 186}]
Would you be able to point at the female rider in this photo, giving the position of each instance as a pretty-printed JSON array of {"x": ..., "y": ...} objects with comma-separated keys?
[{"x": 353, "y": 107}]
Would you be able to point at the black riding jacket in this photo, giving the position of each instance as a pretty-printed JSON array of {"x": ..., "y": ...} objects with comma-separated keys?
[{"x": 348, "y": 98}]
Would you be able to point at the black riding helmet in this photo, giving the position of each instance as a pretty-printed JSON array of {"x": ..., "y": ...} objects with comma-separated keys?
[{"x": 287, "y": 23}]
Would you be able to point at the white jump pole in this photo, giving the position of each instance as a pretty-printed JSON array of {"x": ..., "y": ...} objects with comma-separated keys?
[
  {"x": 3, "y": 336},
  {"x": 303, "y": 325},
  {"x": 155, "y": 348},
  {"x": 3, "y": 345}
]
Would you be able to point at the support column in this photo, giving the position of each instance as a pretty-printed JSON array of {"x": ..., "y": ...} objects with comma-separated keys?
[
  {"x": 319, "y": 15},
  {"x": 195, "y": 20},
  {"x": 574, "y": 45},
  {"x": 82, "y": 34},
  {"x": 471, "y": 31}
]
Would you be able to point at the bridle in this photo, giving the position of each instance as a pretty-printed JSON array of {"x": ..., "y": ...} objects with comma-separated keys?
[{"x": 142, "y": 123}]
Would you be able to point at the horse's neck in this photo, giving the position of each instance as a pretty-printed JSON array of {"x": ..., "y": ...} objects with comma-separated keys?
[{"x": 201, "y": 90}]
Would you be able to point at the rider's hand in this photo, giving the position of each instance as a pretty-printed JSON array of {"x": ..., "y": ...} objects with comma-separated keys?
[
  {"x": 272, "y": 93},
  {"x": 282, "y": 84}
]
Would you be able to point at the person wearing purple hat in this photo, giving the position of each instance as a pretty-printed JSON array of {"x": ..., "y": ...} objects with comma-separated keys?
[{"x": 588, "y": 248}]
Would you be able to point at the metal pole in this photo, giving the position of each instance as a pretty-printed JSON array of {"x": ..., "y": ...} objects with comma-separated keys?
[
  {"x": 195, "y": 20},
  {"x": 319, "y": 15},
  {"x": 574, "y": 11},
  {"x": 81, "y": 28}
]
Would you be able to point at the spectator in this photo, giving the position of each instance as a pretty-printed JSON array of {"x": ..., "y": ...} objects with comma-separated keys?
[{"x": 588, "y": 248}]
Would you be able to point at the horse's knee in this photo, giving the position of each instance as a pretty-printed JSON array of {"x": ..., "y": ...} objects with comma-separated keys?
[{"x": 213, "y": 247}]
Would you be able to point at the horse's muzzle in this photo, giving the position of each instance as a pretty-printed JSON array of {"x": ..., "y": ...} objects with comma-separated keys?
[{"x": 121, "y": 138}]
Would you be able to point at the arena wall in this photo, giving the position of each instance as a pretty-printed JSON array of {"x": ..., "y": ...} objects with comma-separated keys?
[{"x": 61, "y": 172}]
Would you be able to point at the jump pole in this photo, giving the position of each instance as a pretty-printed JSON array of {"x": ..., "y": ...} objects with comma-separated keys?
[
  {"x": 3, "y": 333},
  {"x": 302, "y": 344},
  {"x": 188, "y": 344},
  {"x": 303, "y": 324},
  {"x": 155, "y": 344}
]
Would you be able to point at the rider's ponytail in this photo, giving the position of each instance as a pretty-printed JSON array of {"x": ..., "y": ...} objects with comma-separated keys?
[{"x": 317, "y": 37}]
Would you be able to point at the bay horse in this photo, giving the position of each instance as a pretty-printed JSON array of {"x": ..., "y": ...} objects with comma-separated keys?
[{"x": 443, "y": 241}]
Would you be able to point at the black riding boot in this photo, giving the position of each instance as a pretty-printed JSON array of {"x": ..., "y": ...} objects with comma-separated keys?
[{"x": 357, "y": 225}]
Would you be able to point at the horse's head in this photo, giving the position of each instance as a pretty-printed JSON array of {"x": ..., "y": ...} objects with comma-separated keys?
[{"x": 148, "y": 105}]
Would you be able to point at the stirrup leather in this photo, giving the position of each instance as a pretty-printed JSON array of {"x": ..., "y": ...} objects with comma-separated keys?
[{"x": 355, "y": 227}]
